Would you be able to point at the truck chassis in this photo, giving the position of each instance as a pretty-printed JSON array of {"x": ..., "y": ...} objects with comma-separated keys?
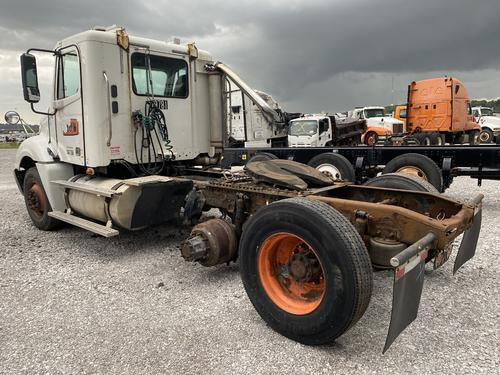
[{"x": 481, "y": 162}]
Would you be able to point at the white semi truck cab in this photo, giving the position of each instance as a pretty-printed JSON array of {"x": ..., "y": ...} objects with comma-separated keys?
[
  {"x": 125, "y": 105},
  {"x": 490, "y": 124},
  {"x": 320, "y": 130},
  {"x": 378, "y": 125}
]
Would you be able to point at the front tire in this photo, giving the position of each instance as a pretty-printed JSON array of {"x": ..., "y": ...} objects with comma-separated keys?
[
  {"x": 36, "y": 200},
  {"x": 486, "y": 136},
  {"x": 371, "y": 138},
  {"x": 305, "y": 269}
]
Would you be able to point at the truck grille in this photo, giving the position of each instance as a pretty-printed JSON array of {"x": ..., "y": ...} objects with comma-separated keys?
[{"x": 397, "y": 128}]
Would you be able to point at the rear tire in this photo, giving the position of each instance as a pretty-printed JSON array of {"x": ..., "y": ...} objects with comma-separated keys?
[
  {"x": 417, "y": 165},
  {"x": 437, "y": 139},
  {"x": 36, "y": 201},
  {"x": 333, "y": 165},
  {"x": 426, "y": 139},
  {"x": 401, "y": 181},
  {"x": 474, "y": 137},
  {"x": 318, "y": 233}
]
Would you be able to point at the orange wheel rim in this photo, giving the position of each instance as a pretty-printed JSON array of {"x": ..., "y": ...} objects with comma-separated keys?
[{"x": 291, "y": 273}]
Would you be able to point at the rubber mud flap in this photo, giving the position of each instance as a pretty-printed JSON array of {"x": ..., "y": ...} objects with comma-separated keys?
[
  {"x": 469, "y": 242},
  {"x": 408, "y": 285}
]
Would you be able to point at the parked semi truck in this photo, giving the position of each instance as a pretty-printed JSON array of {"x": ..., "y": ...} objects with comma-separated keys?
[
  {"x": 489, "y": 123},
  {"x": 378, "y": 124},
  {"x": 439, "y": 111},
  {"x": 134, "y": 130}
]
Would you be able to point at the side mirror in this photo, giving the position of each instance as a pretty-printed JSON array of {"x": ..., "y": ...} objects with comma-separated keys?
[
  {"x": 29, "y": 78},
  {"x": 12, "y": 117}
]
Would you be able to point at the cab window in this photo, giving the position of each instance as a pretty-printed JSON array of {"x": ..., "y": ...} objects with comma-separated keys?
[
  {"x": 68, "y": 76},
  {"x": 168, "y": 76},
  {"x": 469, "y": 109}
]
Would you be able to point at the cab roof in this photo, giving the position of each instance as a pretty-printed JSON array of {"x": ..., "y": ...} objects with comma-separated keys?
[{"x": 109, "y": 35}]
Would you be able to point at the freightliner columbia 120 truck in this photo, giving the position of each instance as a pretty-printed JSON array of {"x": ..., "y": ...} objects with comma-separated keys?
[{"x": 133, "y": 137}]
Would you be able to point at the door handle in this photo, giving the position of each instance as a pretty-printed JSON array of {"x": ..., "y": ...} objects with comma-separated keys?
[{"x": 108, "y": 143}]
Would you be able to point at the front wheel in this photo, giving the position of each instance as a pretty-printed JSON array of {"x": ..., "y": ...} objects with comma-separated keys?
[
  {"x": 36, "y": 200},
  {"x": 371, "y": 138},
  {"x": 305, "y": 269},
  {"x": 486, "y": 136}
]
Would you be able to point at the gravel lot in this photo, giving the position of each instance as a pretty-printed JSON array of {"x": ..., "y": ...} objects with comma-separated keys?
[{"x": 72, "y": 302}]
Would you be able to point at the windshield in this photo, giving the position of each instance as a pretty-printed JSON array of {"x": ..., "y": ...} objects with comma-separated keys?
[
  {"x": 487, "y": 112},
  {"x": 374, "y": 112},
  {"x": 303, "y": 127}
]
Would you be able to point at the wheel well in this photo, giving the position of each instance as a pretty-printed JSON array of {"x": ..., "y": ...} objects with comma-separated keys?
[{"x": 26, "y": 163}]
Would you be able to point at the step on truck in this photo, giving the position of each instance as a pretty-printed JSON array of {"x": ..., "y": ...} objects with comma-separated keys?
[{"x": 133, "y": 138}]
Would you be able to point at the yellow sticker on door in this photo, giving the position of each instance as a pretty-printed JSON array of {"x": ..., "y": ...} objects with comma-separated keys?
[{"x": 72, "y": 128}]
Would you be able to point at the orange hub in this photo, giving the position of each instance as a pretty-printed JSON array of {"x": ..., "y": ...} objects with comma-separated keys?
[{"x": 291, "y": 273}]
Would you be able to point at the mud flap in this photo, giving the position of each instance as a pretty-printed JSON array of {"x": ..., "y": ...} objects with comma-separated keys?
[
  {"x": 408, "y": 285},
  {"x": 469, "y": 242}
]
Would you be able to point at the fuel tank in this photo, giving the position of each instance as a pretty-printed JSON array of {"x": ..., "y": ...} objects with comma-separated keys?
[{"x": 138, "y": 202}]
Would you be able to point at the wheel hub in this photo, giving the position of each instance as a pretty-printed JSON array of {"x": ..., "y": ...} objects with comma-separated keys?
[
  {"x": 414, "y": 171},
  {"x": 291, "y": 273},
  {"x": 329, "y": 170},
  {"x": 35, "y": 199},
  {"x": 304, "y": 267}
]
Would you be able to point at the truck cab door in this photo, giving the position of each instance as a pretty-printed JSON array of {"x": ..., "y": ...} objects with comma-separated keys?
[
  {"x": 324, "y": 131},
  {"x": 68, "y": 105}
]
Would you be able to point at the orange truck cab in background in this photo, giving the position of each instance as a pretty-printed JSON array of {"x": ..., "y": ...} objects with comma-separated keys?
[
  {"x": 439, "y": 111},
  {"x": 400, "y": 113}
]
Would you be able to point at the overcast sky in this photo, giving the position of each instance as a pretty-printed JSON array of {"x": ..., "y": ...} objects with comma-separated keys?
[{"x": 311, "y": 55}]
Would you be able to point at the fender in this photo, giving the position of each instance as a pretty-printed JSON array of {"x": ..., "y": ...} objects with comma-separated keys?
[
  {"x": 34, "y": 148},
  {"x": 34, "y": 152}
]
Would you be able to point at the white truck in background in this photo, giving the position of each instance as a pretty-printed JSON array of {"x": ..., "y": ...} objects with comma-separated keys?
[
  {"x": 378, "y": 124},
  {"x": 247, "y": 125},
  {"x": 490, "y": 124},
  {"x": 323, "y": 130}
]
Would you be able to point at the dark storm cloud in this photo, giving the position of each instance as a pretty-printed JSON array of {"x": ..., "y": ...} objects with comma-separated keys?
[{"x": 289, "y": 47}]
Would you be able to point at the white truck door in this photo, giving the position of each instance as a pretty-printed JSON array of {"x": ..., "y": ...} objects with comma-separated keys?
[
  {"x": 68, "y": 105},
  {"x": 170, "y": 76},
  {"x": 324, "y": 131}
]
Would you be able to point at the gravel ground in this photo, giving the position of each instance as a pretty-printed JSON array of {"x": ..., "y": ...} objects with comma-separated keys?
[{"x": 72, "y": 302}]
